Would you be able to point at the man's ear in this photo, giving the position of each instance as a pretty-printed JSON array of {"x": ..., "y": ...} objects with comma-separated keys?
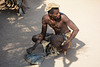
[{"x": 50, "y": 14}]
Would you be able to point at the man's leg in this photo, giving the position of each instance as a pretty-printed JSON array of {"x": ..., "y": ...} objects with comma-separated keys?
[
  {"x": 56, "y": 41},
  {"x": 25, "y": 4},
  {"x": 36, "y": 39},
  {"x": 67, "y": 46}
]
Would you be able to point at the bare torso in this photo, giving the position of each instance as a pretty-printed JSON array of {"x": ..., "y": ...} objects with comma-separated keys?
[{"x": 58, "y": 26}]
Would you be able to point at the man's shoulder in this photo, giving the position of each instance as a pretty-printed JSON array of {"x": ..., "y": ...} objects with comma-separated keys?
[
  {"x": 45, "y": 17},
  {"x": 63, "y": 16}
]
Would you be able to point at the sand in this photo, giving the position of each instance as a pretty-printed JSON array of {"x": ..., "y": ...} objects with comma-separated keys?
[{"x": 16, "y": 33}]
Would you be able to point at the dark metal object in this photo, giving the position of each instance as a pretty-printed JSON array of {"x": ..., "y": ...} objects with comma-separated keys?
[{"x": 34, "y": 59}]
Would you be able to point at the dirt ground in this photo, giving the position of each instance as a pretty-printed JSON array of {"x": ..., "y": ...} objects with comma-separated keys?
[{"x": 16, "y": 33}]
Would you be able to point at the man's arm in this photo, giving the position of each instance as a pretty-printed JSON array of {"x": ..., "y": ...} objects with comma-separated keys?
[
  {"x": 44, "y": 28},
  {"x": 72, "y": 26},
  {"x": 39, "y": 37},
  {"x": 42, "y": 34}
]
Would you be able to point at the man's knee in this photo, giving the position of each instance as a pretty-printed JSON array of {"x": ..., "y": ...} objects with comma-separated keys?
[
  {"x": 35, "y": 38},
  {"x": 56, "y": 40}
]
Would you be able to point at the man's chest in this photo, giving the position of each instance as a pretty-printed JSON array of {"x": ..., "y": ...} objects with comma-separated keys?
[{"x": 55, "y": 24}]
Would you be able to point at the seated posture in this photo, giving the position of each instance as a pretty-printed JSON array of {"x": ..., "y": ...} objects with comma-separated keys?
[{"x": 59, "y": 22}]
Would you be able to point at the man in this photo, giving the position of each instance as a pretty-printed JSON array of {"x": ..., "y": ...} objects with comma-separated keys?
[{"x": 60, "y": 23}]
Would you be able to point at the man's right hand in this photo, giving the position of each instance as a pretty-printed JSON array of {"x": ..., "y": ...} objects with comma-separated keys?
[{"x": 65, "y": 47}]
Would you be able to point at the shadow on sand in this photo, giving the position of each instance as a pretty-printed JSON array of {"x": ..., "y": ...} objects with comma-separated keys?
[
  {"x": 71, "y": 55},
  {"x": 69, "y": 58}
]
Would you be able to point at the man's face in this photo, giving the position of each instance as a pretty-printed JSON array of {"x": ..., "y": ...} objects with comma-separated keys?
[{"x": 56, "y": 14}]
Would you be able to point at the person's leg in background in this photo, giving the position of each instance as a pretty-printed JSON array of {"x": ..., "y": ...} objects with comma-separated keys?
[{"x": 26, "y": 4}]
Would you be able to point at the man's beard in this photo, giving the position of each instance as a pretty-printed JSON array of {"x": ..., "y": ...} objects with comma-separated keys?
[{"x": 58, "y": 19}]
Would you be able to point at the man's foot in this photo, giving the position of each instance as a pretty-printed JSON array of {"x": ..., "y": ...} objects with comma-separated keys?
[{"x": 29, "y": 50}]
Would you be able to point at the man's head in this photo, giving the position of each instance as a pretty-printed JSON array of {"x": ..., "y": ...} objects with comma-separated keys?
[{"x": 53, "y": 11}]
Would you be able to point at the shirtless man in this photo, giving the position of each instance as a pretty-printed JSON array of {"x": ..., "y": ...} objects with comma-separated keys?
[{"x": 59, "y": 22}]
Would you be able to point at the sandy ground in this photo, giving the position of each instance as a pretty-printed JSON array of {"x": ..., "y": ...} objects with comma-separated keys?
[{"x": 16, "y": 33}]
